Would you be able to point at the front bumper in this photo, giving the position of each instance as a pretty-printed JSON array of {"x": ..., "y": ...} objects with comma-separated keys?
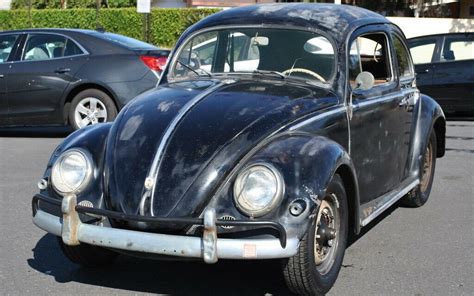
[{"x": 208, "y": 247}]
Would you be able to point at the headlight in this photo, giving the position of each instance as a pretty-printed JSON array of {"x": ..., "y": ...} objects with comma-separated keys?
[
  {"x": 258, "y": 189},
  {"x": 71, "y": 172}
]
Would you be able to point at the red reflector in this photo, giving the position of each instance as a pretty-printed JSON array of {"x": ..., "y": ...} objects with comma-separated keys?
[{"x": 154, "y": 63}]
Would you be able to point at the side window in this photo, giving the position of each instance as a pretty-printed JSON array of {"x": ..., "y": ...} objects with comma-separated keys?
[
  {"x": 422, "y": 50},
  {"x": 370, "y": 53},
  {"x": 458, "y": 49},
  {"x": 49, "y": 46},
  {"x": 197, "y": 54},
  {"x": 245, "y": 53},
  {"x": 405, "y": 69},
  {"x": 6, "y": 46}
]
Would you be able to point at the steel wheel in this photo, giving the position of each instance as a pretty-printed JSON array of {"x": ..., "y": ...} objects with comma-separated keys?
[
  {"x": 326, "y": 234},
  {"x": 427, "y": 168},
  {"x": 89, "y": 111}
]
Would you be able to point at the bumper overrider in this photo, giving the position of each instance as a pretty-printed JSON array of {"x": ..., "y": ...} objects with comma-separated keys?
[{"x": 209, "y": 247}]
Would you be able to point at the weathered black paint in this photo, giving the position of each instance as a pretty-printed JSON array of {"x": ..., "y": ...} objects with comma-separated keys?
[{"x": 303, "y": 130}]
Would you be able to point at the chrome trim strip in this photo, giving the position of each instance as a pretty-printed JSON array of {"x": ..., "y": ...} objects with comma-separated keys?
[
  {"x": 390, "y": 198},
  {"x": 317, "y": 117},
  {"x": 171, "y": 245},
  {"x": 150, "y": 181}
]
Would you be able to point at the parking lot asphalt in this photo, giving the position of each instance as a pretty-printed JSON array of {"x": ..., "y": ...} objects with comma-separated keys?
[{"x": 424, "y": 251}]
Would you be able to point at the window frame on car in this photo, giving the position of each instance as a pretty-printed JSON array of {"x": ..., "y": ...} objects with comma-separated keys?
[
  {"x": 388, "y": 44},
  {"x": 402, "y": 78},
  {"x": 13, "y": 52},
  {"x": 442, "y": 44},
  {"x": 170, "y": 77},
  {"x": 67, "y": 38}
]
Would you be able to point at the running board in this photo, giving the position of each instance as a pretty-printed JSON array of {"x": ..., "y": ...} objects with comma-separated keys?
[{"x": 371, "y": 210}]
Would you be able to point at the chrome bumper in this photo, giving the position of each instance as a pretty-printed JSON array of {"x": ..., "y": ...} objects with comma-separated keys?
[{"x": 208, "y": 247}]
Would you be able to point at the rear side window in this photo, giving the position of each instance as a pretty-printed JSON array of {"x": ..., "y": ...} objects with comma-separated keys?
[
  {"x": 49, "y": 46},
  {"x": 458, "y": 48},
  {"x": 405, "y": 68},
  {"x": 422, "y": 50},
  {"x": 6, "y": 46}
]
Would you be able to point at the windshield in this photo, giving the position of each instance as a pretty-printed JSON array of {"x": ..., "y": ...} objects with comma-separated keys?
[{"x": 294, "y": 53}]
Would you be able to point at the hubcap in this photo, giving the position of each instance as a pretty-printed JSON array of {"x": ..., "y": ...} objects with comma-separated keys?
[
  {"x": 90, "y": 111},
  {"x": 326, "y": 234},
  {"x": 427, "y": 163}
]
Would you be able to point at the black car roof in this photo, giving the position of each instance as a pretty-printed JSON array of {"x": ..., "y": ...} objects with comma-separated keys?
[
  {"x": 337, "y": 20},
  {"x": 52, "y": 30},
  {"x": 442, "y": 35}
]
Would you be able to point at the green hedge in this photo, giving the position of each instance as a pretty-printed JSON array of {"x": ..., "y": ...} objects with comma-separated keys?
[
  {"x": 166, "y": 24},
  {"x": 48, "y": 4}
]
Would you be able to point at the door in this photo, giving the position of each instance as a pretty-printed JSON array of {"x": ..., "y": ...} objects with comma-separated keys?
[
  {"x": 377, "y": 126},
  {"x": 36, "y": 84},
  {"x": 410, "y": 95},
  {"x": 453, "y": 75},
  {"x": 7, "y": 48},
  {"x": 423, "y": 52}
]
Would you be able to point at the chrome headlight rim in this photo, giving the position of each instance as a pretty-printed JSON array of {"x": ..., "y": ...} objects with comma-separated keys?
[
  {"x": 279, "y": 191},
  {"x": 89, "y": 170}
]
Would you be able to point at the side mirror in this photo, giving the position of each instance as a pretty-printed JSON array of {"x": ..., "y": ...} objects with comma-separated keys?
[{"x": 364, "y": 81}]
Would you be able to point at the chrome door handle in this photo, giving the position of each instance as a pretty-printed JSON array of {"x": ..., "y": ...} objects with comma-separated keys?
[
  {"x": 2, "y": 76},
  {"x": 62, "y": 70}
]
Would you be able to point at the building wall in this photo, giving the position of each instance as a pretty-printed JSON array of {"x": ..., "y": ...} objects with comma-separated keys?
[
  {"x": 466, "y": 9},
  {"x": 168, "y": 3},
  {"x": 5, "y": 4},
  {"x": 225, "y": 3},
  {"x": 413, "y": 27}
]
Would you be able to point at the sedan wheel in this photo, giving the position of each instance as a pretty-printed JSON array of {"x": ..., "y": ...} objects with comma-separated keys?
[
  {"x": 91, "y": 106},
  {"x": 89, "y": 111}
]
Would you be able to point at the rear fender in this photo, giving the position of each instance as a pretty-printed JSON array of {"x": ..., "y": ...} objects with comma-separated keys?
[{"x": 430, "y": 118}]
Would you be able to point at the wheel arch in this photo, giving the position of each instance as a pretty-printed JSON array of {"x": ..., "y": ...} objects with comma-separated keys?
[
  {"x": 439, "y": 128},
  {"x": 352, "y": 191},
  {"x": 77, "y": 89}
]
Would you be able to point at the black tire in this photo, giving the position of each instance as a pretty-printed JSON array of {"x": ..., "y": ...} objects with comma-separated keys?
[
  {"x": 302, "y": 274},
  {"x": 419, "y": 196},
  {"x": 87, "y": 255},
  {"x": 105, "y": 102}
]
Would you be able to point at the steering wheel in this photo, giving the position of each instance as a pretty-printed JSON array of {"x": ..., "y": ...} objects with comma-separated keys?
[{"x": 305, "y": 71}]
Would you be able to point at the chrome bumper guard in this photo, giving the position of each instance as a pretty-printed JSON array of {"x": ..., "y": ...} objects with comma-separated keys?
[{"x": 208, "y": 247}]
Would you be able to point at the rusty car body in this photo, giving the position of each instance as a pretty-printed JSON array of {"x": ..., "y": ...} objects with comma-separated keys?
[{"x": 276, "y": 132}]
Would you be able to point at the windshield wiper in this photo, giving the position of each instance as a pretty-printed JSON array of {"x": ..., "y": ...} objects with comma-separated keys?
[
  {"x": 194, "y": 71},
  {"x": 270, "y": 72}
]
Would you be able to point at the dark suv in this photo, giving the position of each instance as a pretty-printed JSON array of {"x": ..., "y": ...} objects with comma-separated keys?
[{"x": 444, "y": 66}]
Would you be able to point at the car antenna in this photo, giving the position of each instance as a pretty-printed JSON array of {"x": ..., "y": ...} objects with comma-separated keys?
[{"x": 100, "y": 29}]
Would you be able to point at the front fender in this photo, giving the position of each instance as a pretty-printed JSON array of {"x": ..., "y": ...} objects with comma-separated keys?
[
  {"x": 91, "y": 139},
  {"x": 307, "y": 164}
]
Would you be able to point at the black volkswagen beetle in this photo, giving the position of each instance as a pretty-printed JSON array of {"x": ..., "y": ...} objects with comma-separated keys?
[{"x": 276, "y": 132}]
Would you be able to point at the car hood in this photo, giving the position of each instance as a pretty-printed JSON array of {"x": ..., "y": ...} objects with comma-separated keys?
[{"x": 226, "y": 121}]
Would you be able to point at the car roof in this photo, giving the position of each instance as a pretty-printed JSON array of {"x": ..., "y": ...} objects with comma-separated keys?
[
  {"x": 52, "y": 30},
  {"x": 337, "y": 20},
  {"x": 442, "y": 35}
]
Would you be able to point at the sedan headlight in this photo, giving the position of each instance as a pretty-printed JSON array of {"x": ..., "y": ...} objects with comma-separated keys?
[
  {"x": 71, "y": 172},
  {"x": 258, "y": 189}
]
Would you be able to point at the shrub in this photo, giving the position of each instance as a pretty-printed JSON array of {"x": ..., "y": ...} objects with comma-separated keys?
[{"x": 166, "y": 25}]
